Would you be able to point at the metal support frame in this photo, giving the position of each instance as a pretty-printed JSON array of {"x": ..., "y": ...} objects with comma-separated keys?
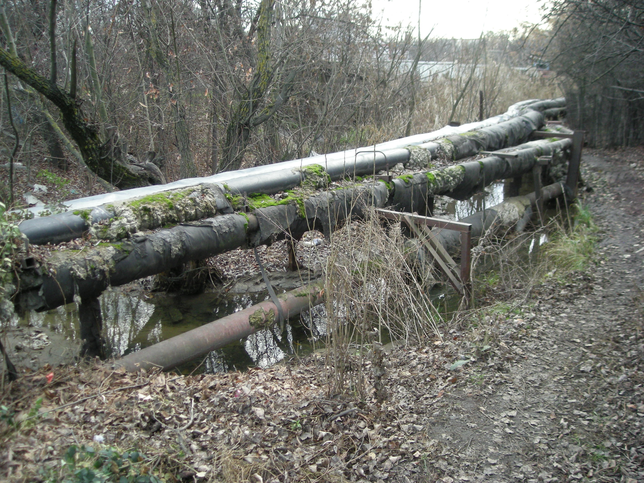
[
  {"x": 536, "y": 174},
  {"x": 575, "y": 157},
  {"x": 418, "y": 224},
  {"x": 383, "y": 177},
  {"x": 513, "y": 187}
]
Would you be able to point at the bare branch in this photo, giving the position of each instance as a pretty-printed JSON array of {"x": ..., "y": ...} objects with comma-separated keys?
[{"x": 52, "y": 42}]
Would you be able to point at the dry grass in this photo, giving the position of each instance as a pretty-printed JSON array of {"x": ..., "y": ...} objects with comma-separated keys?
[
  {"x": 373, "y": 296},
  {"x": 501, "y": 85}
]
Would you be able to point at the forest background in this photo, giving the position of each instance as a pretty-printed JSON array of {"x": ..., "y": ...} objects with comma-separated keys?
[{"x": 141, "y": 92}]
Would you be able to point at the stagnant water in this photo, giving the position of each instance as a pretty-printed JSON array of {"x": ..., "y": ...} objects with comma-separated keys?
[{"x": 134, "y": 320}]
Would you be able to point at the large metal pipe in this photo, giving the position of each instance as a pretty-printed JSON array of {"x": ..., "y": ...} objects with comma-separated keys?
[
  {"x": 199, "y": 342},
  {"x": 88, "y": 273},
  {"x": 505, "y": 214},
  {"x": 494, "y": 133}
]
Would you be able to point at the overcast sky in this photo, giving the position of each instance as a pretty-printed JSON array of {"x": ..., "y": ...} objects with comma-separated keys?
[{"x": 459, "y": 18}]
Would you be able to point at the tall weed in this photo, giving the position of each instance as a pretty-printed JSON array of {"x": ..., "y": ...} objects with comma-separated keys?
[{"x": 373, "y": 297}]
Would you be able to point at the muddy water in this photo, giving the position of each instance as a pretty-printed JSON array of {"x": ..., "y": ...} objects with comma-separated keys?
[
  {"x": 134, "y": 320},
  {"x": 492, "y": 195}
]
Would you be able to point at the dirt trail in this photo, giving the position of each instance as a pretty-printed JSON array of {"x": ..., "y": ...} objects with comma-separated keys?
[
  {"x": 555, "y": 394},
  {"x": 568, "y": 401}
]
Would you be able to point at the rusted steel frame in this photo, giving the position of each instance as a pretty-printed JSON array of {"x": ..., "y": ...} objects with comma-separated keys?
[
  {"x": 383, "y": 177},
  {"x": 548, "y": 134},
  {"x": 426, "y": 220},
  {"x": 437, "y": 251},
  {"x": 577, "y": 137},
  {"x": 500, "y": 155},
  {"x": 465, "y": 230},
  {"x": 374, "y": 152},
  {"x": 466, "y": 263},
  {"x": 199, "y": 342},
  {"x": 536, "y": 175}
]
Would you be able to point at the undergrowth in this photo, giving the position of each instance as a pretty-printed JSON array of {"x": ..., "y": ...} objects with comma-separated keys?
[
  {"x": 377, "y": 292},
  {"x": 90, "y": 464},
  {"x": 373, "y": 295},
  {"x": 571, "y": 249}
]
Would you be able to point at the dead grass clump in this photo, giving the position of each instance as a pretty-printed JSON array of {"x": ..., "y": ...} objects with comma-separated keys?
[
  {"x": 372, "y": 298},
  {"x": 506, "y": 267}
]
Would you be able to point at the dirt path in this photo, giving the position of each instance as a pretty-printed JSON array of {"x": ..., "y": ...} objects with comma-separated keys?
[
  {"x": 555, "y": 392},
  {"x": 566, "y": 402}
]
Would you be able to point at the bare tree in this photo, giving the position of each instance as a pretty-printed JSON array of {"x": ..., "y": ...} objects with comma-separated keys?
[
  {"x": 98, "y": 152},
  {"x": 599, "y": 49}
]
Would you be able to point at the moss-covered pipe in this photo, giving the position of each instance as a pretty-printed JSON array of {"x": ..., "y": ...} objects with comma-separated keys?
[
  {"x": 199, "y": 342},
  {"x": 411, "y": 192},
  {"x": 88, "y": 273},
  {"x": 415, "y": 151},
  {"x": 501, "y": 216},
  {"x": 117, "y": 221}
]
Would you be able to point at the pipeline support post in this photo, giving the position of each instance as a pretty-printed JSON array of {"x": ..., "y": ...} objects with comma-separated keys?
[
  {"x": 466, "y": 265},
  {"x": 575, "y": 162},
  {"x": 513, "y": 186},
  {"x": 572, "y": 180},
  {"x": 91, "y": 328},
  {"x": 536, "y": 174}
]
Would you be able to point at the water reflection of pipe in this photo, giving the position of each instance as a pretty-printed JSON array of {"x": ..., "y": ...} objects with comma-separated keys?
[{"x": 202, "y": 340}]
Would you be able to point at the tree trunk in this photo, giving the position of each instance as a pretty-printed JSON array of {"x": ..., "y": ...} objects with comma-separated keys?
[
  {"x": 54, "y": 147},
  {"x": 82, "y": 131},
  {"x": 251, "y": 98}
]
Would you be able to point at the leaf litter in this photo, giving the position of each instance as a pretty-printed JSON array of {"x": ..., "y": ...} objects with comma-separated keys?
[{"x": 556, "y": 394}]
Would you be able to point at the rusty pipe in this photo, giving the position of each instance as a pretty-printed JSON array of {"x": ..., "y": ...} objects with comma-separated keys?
[{"x": 214, "y": 335}]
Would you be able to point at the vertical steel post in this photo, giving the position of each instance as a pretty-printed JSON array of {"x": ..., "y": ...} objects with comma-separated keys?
[
  {"x": 575, "y": 161},
  {"x": 91, "y": 328},
  {"x": 466, "y": 264},
  {"x": 536, "y": 173},
  {"x": 513, "y": 186}
]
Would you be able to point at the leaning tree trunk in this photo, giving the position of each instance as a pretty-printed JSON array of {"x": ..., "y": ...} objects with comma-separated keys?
[{"x": 84, "y": 133}]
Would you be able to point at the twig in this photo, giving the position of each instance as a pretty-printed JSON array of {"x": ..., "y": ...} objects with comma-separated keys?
[
  {"x": 78, "y": 401},
  {"x": 86, "y": 398},
  {"x": 343, "y": 413}
]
